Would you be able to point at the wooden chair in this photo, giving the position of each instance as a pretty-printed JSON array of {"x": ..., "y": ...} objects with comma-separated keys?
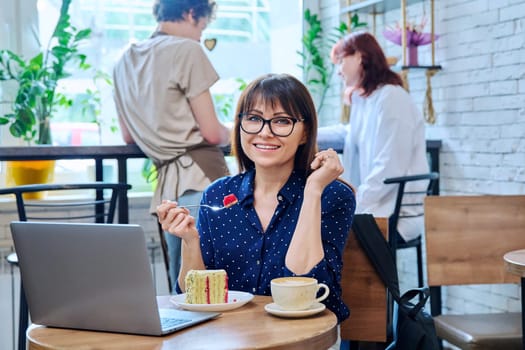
[
  {"x": 100, "y": 208},
  {"x": 466, "y": 238},
  {"x": 364, "y": 293}
]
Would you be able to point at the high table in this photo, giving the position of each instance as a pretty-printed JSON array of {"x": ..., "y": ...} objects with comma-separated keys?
[
  {"x": 248, "y": 327},
  {"x": 515, "y": 263}
]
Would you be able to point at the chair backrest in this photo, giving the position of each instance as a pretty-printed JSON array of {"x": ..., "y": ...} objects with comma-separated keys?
[
  {"x": 100, "y": 207},
  {"x": 407, "y": 196},
  {"x": 364, "y": 293},
  {"x": 467, "y": 236}
]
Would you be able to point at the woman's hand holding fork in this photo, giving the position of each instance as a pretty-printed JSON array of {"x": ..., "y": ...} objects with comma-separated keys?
[{"x": 177, "y": 220}]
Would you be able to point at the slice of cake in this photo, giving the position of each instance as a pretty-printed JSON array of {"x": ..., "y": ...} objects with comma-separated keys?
[
  {"x": 229, "y": 200},
  {"x": 206, "y": 287}
]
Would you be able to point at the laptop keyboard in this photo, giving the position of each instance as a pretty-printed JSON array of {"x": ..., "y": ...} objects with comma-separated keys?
[{"x": 170, "y": 323}]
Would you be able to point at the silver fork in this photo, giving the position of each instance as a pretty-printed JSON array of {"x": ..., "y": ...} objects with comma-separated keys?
[{"x": 212, "y": 207}]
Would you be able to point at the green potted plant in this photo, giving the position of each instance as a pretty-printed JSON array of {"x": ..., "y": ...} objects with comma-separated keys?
[
  {"x": 37, "y": 98},
  {"x": 37, "y": 78}
]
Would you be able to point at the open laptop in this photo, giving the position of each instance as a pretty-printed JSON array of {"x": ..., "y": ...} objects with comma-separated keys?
[{"x": 93, "y": 277}]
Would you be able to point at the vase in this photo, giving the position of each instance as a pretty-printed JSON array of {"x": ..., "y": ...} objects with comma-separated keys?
[
  {"x": 29, "y": 172},
  {"x": 412, "y": 55}
]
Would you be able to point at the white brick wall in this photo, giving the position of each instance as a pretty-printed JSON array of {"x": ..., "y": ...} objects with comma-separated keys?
[{"x": 479, "y": 99}]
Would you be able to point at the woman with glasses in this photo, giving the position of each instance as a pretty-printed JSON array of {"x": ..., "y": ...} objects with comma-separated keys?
[{"x": 292, "y": 216}]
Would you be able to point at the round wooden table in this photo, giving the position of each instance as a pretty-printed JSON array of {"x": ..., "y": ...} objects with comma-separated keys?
[
  {"x": 515, "y": 263},
  {"x": 248, "y": 327}
]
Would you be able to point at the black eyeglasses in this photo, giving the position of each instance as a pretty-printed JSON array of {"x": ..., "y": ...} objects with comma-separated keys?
[{"x": 279, "y": 126}]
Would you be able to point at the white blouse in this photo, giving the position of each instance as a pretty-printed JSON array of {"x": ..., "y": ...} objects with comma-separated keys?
[{"x": 385, "y": 138}]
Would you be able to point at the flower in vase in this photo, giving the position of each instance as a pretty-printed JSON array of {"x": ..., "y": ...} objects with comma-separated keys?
[{"x": 415, "y": 35}]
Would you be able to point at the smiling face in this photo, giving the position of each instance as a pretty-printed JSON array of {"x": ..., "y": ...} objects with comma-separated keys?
[
  {"x": 267, "y": 150},
  {"x": 267, "y": 97}
]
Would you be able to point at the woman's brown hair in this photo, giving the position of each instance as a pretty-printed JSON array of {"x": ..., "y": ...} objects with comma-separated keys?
[
  {"x": 376, "y": 71},
  {"x": 174, "y": 10}
]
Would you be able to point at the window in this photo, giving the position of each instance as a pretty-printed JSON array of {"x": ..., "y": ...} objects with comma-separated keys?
[
  {"x": 252, "y": 39},
  {"x": 248, "y": 44}
]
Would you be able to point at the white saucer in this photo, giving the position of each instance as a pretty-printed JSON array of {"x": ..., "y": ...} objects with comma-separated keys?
[
  {"x": 276, "y": 310},
  {"x": 235, "y": 300}
]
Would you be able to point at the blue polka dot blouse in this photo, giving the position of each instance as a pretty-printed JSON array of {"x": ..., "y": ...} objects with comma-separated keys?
[{"x": 233, "y": 238}]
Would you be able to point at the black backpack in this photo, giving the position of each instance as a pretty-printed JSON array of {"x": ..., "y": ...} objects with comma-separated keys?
[{"x": 414, "y": 328}]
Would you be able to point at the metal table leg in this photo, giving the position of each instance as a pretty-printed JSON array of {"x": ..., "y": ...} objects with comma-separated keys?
[{"x": 522, "y": 312}]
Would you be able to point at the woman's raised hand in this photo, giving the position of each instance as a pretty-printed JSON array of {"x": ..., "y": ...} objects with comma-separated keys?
[
  {"x": 176, "y": 220},
  {"x": 327, "y": 167}
]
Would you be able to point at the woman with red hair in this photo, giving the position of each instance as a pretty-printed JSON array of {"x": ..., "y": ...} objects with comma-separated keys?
[{"x": 386, "y": 134}]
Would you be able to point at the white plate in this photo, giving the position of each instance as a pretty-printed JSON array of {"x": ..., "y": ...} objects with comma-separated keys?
[
  {"x": 276, "y": 310},
  {"x": 235, "y": 300}
]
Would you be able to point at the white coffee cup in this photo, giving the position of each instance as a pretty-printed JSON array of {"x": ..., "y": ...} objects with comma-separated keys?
[{"x": 297, "y": 293}]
